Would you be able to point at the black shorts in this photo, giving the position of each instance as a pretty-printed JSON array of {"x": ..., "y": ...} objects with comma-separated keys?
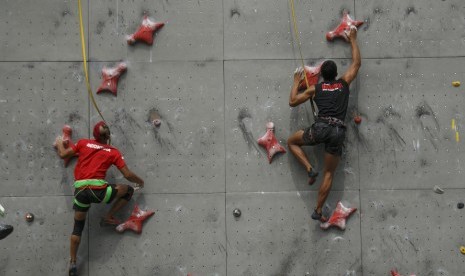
[
  {"x": 331, "y": 135},
  {"x": 85, "y": 196}
]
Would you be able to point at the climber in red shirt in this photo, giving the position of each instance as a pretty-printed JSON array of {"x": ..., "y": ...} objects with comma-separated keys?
[
  {"x": 94, "y": 159},
  {"x": 331, "y": 97}
]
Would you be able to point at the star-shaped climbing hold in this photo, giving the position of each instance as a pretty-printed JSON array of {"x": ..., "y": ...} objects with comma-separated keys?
[
  {"x": 135, "y": 221},
  {"x": 313, "y": 74},
  {"x": 269, "y": 142},
  {"x": 110, "y": 77},
  {"x": 344, "y": 26},
  {"x": 395, "y": 273},
  {"x": 145, "y": 31},
  {"x": 339, "y": 217}
]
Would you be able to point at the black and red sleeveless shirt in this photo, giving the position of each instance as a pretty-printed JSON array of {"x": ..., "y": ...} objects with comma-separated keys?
[{"x": 332, "y": 98}]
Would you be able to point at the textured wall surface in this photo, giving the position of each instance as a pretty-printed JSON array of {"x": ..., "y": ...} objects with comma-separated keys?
[{"x": 217, "y": 72}]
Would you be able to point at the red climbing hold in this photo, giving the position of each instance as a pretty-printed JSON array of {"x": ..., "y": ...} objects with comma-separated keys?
[
  {"x": 395, "y": 273},
  {"x": 145, "y": 31},
  {"x": 339, "y": 217},
  {"x": 313, "y": 74},
  {"x": 67, "y": 133},
  {"x": 269, "y": 142},
  {"x": 357, "y": 120},
  {"x": 110, "y": 78},
  {"x": 344, "y": 26},
  {"x": 135, "y": 221}
]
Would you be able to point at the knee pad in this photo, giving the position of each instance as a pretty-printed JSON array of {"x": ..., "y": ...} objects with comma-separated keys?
[
  {"x": 128, "y": 195},
  {"x": 78, "y": 227}
]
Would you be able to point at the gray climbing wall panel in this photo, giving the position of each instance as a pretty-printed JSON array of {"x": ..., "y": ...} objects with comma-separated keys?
[
  {"x": 275, "y": 236},
  {"x": 257, "y": 92},
  {"x": 38, "y": 247},
  {"x": 411, "y": 230},
  {"x": 186, "y": 153},
  {"x": 406, "y": 141},
  {"x": 217, "y": 73},
  {"x": 37, "y": 99},
  {"x": 186, "y": 235},
  {"x": 195, "y": 30},
  {"x": 40, "y": 30},
  {"x": 411, "y": 28},
  {"x": 255, "y": 30}
]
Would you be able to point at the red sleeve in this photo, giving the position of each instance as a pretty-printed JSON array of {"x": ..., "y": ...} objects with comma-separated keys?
[
  {"x": 76, "y": 147},
  {"x": 119, "y": 160}
]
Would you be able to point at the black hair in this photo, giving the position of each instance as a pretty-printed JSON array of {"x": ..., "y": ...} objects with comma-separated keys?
[
  {"x": 104, "y": 133},
  {"x": 329, "y": 70}
]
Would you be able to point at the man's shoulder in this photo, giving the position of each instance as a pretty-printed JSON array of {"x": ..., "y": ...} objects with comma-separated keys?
[
  {"x": 94, "y": 144},
  {"x": 343, "y": 81}
]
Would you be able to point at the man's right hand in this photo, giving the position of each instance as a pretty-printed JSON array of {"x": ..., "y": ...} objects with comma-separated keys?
[
  {"x": 352, "y": 36},
  {"x": 129, "y": 175},
  {"x": 352, "y": 71},
  {"x": 138, "y": 186}
]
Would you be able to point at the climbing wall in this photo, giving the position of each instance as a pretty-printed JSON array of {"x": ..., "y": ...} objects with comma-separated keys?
[{"x": 217, "y": 72}]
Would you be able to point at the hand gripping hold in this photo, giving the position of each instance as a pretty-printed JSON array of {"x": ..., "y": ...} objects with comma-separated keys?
[
  {"x": 313, "y": 74},
  {"x": 343, "y": 28}
]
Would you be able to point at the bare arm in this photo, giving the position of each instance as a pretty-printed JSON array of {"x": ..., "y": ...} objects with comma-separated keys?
[
  {"x": 296, "y": 98},
  {"x": 351, "y": 73},
  {"x": 130, "y": 176},
  {"x": 62, "y": 151}
]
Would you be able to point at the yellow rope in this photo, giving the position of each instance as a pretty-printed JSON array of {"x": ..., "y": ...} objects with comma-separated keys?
[
  {"x": 297, "y": 37},
  {"x": 303, "y": 64},
  {"x": 84, "y": 59}
]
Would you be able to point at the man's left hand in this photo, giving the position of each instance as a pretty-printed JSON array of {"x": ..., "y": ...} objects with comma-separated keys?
[
  {"x": 298, "y": 74},
  {"x": 58, "y": 140}
]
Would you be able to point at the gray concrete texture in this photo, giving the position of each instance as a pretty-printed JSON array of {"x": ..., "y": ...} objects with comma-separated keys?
[{"x": 217, "y": 73}]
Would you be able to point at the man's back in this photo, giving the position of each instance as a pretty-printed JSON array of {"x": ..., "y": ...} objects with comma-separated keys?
[
  {"x": 95, "y": 159},
  {"x": 332, "y": 99}
]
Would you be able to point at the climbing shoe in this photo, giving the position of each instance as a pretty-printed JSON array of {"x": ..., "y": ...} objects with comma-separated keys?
[
  {"x": 319, "y": 216},
  {"x": 73, "y": 269},
  {"x": 5, "y": 230},
  {"x": 312, "y": 177}
]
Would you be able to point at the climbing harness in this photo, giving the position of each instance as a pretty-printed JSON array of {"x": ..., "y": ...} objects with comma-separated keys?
[
  {"x": 297, "y": 37},
  {"x": 85, "y": 184}
]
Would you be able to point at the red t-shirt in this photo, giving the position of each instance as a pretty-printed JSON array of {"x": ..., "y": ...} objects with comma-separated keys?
[{"x": 95, "y": 159}]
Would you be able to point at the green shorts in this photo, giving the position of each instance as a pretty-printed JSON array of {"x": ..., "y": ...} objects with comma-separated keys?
[{"x": 84, "y": 196}]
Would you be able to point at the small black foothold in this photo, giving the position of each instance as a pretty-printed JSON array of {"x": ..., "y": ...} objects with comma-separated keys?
[
  {"x": 235, "y": 12},
  {"x": 237, "y": 213},
  {"x": 65, "y": 13},
  {"x": 460, "y": 205},
  {"x": 410, "y": 10}
]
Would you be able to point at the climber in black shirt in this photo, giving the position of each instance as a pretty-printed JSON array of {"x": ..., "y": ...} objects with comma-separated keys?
[{"x": 331, "y": 97}]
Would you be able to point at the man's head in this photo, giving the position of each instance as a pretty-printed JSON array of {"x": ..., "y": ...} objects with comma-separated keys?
[
  {"x": 329, "y": 70},
  {"x": 101, "y": 132}
]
